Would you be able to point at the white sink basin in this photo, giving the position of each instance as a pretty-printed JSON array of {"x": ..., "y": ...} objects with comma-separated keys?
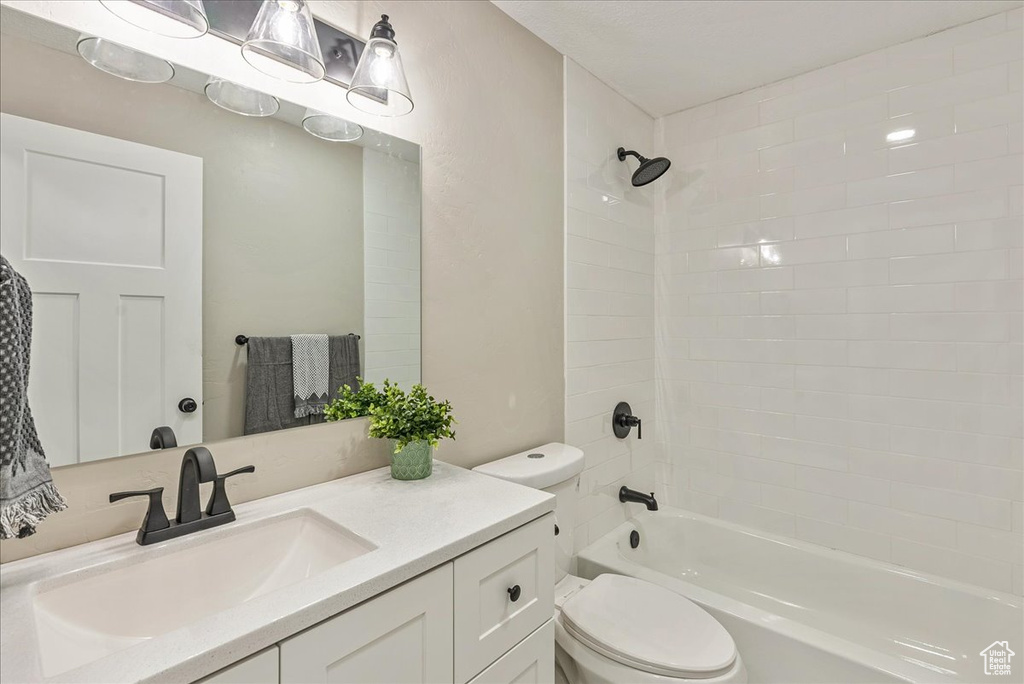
[{"x": 86, "y": 619}]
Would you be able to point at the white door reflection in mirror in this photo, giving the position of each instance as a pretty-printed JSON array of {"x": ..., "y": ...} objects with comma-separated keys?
[{"x": 108, "y": 234}]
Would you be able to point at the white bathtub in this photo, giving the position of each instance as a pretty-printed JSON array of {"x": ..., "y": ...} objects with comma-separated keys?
[{"x": 804, "y": 613}]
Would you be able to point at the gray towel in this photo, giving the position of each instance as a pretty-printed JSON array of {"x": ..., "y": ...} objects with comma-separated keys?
[
  {"x": 311, "y": 371},
  {"x": 269, "y": 389},
  {"x": 27, "y": 493}
]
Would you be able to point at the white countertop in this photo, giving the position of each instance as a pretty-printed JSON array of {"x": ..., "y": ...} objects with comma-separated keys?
[{"x": 415, "y": 525}]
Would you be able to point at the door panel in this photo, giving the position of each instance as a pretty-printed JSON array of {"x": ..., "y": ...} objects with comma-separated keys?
[
  {"x": 403, "y": 636},
  {"x": 108, "y": 234},
  {"x": 503, "y": 592},
  {"x": 261, "y": 668},
  {"x": 532, "y": 661}
]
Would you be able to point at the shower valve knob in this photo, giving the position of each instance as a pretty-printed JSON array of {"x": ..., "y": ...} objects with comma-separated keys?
[{"x": 623, "y": 421}]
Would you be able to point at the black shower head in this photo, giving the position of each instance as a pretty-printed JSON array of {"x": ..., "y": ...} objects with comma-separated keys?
[{"x": 649, "y": 170}]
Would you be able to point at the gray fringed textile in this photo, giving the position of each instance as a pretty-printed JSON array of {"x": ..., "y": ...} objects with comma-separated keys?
[
  {"x": 27, "y": 493},
  {"x": 311, "y": 373}
]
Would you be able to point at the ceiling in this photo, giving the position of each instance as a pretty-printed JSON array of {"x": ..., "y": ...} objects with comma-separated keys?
[{"x": 668, "y": 56}]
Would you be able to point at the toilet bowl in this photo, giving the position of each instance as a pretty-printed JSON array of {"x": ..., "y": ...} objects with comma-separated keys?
[{"x": 617, "y": 629}]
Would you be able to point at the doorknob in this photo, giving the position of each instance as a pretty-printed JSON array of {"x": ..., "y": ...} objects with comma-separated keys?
[{"x": 188, "y": 405}]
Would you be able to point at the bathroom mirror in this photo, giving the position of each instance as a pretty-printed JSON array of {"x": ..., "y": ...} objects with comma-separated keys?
[{"x": 160, "y": 232}]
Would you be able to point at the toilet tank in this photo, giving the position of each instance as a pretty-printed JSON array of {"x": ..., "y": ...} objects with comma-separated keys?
[{"x": 556, "y": 469}]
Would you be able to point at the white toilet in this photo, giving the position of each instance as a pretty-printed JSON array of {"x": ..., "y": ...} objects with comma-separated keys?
[{"x": 616, "y": 629}]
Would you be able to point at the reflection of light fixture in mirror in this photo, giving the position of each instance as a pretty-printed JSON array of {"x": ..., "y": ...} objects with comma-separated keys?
[
  {"x": 282, "y": 42},
  {"x": 330, "y": 128},
  {"x": 171, "y": 18},
  {"x": 239, "y": 99},
  {"x": 900, "y": 136},
  {"x": 123, "y": 61},
  {"x": 379, "y": 85},
  {"x": 769, "y": 255}
]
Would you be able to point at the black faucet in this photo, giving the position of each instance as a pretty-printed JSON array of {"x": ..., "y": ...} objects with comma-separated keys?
[
  {"x": 197, "y": 467},
  {"x": 627, "y": 494},
  {"x": 163, "y": 438}
]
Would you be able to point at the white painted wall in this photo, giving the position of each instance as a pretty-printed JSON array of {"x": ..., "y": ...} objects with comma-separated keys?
[
  {"x": 839, "y": 330},
  {"x": 391, "y": 254},
  {"x": 609, "y": 298}
]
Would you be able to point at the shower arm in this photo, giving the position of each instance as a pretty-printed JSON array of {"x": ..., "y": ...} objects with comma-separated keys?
[{"x": 623, "y": 153}]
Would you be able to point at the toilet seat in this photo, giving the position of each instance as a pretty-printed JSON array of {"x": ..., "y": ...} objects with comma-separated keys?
[{"x": 648, "y": 628}]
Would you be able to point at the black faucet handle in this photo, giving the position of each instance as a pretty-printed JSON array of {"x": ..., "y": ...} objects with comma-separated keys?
[
  {"x": 219, "y": 503},
  {"x": 156, "y": 517},
  {"x": 623, "y": 421}
]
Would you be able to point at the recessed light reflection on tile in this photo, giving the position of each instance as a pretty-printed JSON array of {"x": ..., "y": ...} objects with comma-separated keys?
[
  {"x": 901, "y": 135},
  {"x": 770, "y": 255}
]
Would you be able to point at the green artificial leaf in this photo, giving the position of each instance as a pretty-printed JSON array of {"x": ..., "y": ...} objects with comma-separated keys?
[
  {"x": 353, "y": 403},
  {"x": 404, "y": 417}
]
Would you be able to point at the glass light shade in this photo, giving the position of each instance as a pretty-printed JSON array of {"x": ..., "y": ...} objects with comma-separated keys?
[
  {"x": 239, "y": 99},
  {"x": 172, "y": 18},
  {"x": 331, "y": 128},
  {"x": 123, "y": 61},
  {"x": 378, "y": 85},
  {"x": 282, "y": 42}
]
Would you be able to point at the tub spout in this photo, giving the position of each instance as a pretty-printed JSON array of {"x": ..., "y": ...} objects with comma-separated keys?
[{"x": 627, "y": 494}]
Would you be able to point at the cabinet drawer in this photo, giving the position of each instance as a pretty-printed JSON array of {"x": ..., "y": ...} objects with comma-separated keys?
[
  {"x": 260, "y": 668},
  {"x": 403, "y": 636},
  {"x": 488, "y": 622},
  {"x": 532, "y": 661}
]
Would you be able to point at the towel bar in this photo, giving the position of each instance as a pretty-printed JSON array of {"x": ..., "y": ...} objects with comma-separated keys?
[{"x": 242, "y": 340}]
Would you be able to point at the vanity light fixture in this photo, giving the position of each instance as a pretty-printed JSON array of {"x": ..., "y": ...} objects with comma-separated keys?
[
  {"x": 378, "y": 84},
  {"x": 124, "y": 62},
  {"x": 239, "y": 99},
  {"x": 171, "y": 18},
  {"x": 331, "y": 128},
  {"x": 282, "y": 42}
]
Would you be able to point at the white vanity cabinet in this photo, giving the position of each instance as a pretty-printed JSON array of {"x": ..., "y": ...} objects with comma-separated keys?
[
  {"x": 259, "y": 668},
  {"x": 531, "y": 661},
  {"x": 503, "y": 592},
  {"x": 483, "y": 618},
  {"x": 404, "y": 635}
]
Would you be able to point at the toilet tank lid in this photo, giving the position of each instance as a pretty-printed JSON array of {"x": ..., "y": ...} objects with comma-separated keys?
[{"x": 555, "y": 464}]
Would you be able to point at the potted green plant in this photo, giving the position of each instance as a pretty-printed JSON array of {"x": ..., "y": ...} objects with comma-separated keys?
[{"x": 414, "y": 422}]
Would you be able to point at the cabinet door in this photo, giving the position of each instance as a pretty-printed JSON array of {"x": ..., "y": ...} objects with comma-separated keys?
[
  {"x": 399, "y": 637},
  {"x": 504, "y": 590},
  {"x": 261, "y": 668},
  {"x": 532, "y": 661}
]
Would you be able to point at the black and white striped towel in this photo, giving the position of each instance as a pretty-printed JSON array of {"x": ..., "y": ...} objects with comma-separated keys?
[{"x": 311, "y": 373}]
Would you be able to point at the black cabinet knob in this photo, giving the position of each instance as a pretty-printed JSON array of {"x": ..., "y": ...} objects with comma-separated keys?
[
  {"x": 188, "y": 405},
  {"x": 514, "y": 593}
]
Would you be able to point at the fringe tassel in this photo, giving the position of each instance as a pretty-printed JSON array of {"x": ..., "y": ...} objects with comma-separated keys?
[{"x": 18, "y": 519}]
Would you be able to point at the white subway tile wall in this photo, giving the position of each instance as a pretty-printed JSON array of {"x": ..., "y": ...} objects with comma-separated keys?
[
  {"x": 609, "y": 298},
  {"x": 839, "y": 303},
  {"x": 391, "y": 255}
]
